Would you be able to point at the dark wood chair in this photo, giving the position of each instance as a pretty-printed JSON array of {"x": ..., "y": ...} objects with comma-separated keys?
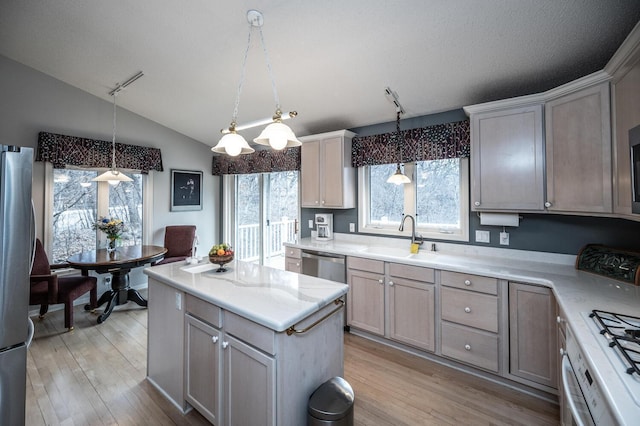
[
  {"x": 178, "y": 240},
  {"x": 49, "y": 289}
]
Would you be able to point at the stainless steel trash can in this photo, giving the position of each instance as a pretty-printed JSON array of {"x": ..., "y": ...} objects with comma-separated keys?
[{"x": 331, "y": 404}]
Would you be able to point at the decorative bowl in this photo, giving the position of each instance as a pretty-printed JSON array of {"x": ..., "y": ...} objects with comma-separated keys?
[{"x": 221, "y": 261}]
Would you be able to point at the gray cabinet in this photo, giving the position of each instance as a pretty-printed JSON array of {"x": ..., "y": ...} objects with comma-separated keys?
[
  {"x": 507, "y": 159},
  {"x": 327, "y": 179},
  {"x": 533, "y": 338},
  {"x": 365, "y": 300},
  {"x": 578, "y": 151},
  {"x": 293, "y": 259}
]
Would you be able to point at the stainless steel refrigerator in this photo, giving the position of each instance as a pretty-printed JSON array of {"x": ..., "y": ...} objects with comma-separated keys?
[{"x": 16, "y": 249}]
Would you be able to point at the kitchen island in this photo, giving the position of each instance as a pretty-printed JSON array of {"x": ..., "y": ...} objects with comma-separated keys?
[{"x": 246, "y": 346}]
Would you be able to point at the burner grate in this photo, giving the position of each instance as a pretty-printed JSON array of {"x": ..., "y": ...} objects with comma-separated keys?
[{"x": 623, "y": 331}]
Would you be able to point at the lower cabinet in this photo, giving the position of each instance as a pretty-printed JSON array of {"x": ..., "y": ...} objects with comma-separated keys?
[
  {"x": 365, "y": 300},
  {"x": 533, "y": 338},
  {"x": 293, "y": 260}
]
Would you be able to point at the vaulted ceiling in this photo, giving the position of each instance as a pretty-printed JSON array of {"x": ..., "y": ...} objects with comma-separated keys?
[{"x": 331, "y": 59}]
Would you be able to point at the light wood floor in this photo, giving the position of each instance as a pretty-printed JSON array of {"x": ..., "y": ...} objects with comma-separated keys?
[{"x": 95, "y": 375}]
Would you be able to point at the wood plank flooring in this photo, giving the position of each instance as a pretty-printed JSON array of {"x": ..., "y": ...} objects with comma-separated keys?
[{"x": 95, "y": 375}]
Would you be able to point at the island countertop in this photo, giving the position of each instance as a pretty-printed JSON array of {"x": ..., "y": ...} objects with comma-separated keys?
[{"x": 271, "y": 297}]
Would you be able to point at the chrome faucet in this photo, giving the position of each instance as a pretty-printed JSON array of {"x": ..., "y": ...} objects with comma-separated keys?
[{"x": 415, "y": 239}]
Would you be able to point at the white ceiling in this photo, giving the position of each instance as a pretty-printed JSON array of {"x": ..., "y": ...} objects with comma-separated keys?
[{"x": 331, "y": 59}]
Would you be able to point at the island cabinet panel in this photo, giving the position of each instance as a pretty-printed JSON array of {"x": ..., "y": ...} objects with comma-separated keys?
[
  {"x": 203, "y": 368},
  {"x": 249, "y": 384},
  {"x": 365, "y": 299},
  {"x": 533, "y": 339},
  {"x": 165, "y": 345},
  {"x": 507, "y": 151},
  {"x": 578, "y": 151}
]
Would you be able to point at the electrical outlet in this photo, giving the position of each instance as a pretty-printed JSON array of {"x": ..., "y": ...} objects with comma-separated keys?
[
  {"x": 178, "y": 301},
  {"x": 310, "y": 223},
  {"x": 352, "y": 227},
  {"x": 483, "y": 236},
  {"x": 504, "y": 238}
]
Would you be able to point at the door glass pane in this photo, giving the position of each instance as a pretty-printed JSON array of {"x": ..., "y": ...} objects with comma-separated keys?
[
  {"x": 438, "y": 193},
  {"x": 74, "y": 213},
  {"x": 248, "y": 240},
  {"x": 125, "y": 203},
  {"x": 386, "y": 200},
  {"x": 282, "y": 214}
]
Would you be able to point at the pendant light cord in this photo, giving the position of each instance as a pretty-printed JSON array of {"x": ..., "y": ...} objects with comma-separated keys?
[
  {"x": 234, "y": 119},
  {"x": 113, "y": 137},
  {"x": 400, "y": 138},
  {"x": 273, "y": 81}
]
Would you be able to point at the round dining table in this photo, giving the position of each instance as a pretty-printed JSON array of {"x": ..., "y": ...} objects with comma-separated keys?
[{"x": 118, "y": 263}]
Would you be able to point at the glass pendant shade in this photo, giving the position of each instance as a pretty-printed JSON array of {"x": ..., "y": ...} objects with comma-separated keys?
[
  {"x": 278, "y": 136},
  {"x": 232, "y": 144},
  {"x": 398, "y": 177},
  {"x": 113, "y": 177}
]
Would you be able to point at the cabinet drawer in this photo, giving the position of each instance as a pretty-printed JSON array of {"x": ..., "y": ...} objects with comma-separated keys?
[
  {"x": 293, "y": 265},
  {"x": 468, "y": 308},
  {"x": 416, "y": 273},
  {"x": 469, "y": 282},
  {"x": 261, "y": 337},
  {"x": 471, "y": 346},
  {"x": 203, "y": 310},
  {"x": 293, "y": 252},
  {"x": 369, "y": 265}
]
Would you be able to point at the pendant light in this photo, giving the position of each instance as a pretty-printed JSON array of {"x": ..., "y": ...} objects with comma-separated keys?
[
  {"x": 398, "y": 177},
  {"x": 114, "y": 176}
]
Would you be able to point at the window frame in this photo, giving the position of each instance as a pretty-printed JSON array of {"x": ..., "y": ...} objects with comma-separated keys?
[{"x": 364, "y": 225}]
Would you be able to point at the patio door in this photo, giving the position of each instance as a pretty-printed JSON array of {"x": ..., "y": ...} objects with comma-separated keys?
[{"x": 266, "y": 216}]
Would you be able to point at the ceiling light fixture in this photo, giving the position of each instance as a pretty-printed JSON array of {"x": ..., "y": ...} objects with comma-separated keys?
[
  {"x": 398, "y": 177},
  {"x": 277, "y": 135},
  {"x": 113, "y": 176}
]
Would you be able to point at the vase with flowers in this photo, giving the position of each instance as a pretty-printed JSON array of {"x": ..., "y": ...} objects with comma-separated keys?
[{"x": 113, "y": 228}]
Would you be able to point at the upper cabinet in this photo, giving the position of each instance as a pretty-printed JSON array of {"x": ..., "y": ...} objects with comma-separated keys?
[
  {"x": 326, "y": 176},
  {"x": 507, "y": 162},
  {"x": 578, "y": 151}
]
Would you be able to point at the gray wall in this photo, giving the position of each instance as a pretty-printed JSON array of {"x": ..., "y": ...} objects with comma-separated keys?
[
  {"x": 33, "y": 102},
  {"x": 538, "y": 232}
]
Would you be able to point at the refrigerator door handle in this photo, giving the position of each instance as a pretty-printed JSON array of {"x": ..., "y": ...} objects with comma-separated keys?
[{"x": 33, "y": 236}]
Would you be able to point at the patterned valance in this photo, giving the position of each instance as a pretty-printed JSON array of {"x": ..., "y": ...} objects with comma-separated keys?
[
  {"x": 450, "y": 140},
  {"x": 257, "y": 162},
  {"x": 63, "y": 150}
]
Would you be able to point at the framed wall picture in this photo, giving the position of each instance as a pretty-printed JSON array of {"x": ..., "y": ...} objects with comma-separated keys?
[{"x": 186, "y": 190}]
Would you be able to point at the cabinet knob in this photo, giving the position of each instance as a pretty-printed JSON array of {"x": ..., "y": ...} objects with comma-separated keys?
[
  {"x": 225, "y": 345},
  {"x": 467, "y": 347},
  {"x": 548, "y": 204},
  {"x": 381, "y": 281},
  {"x": 467, "y": 282},
  {"x": 214, "y": 339},
  {"x": 322, "y": 201},
  {"x": 467, "y": 309},
  {"x": 390, "y": 282},
  {"x": 559, "y": 319},
  {"x": 562, "y": 352},
  {"x": 477, "y": 203}
]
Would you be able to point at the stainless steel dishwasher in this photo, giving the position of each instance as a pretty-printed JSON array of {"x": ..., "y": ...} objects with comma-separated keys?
[{"x": 329, "y": 266}]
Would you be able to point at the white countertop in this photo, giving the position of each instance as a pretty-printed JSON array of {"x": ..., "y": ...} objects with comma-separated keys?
[
  {"x": 577, "y": 292},
  {"x": 271, "y": 297}
]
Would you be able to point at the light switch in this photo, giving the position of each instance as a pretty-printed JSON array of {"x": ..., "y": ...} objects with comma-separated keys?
[
  {"x": 483, "y": 236},
  {"x": 179, "y": 301},
  {"x": 310, "y": 223}
]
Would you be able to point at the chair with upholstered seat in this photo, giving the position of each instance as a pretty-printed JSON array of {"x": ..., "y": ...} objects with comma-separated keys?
[
  {"x": 178, "y": 240},
  {"x": 49, "y": 289}
]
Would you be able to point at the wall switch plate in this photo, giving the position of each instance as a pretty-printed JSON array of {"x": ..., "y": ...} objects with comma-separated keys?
[
  {"x": 178, "y": 301},
  {"x": 310, "y": 223},
  {"x": 504, "y": 238},
  {"x": 483, "y": 236},
  {"x": 352, "y": 227}
]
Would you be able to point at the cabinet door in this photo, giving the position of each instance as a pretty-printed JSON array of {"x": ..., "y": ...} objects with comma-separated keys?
[
  {"x": 202, "y": 368},
  {"x": 332, "y": 186},
  {"x": 249, "y": 385},
  {"x": 365, "y": 301},
  {"x": 293, "y": 264},
  {"x": 310, "y": 174},
  {"x": 578, "y": 151},
  {"x": 411, "y": 312},
  {"x": 507, "y": 160},
  {"x": 533, "y": 334}
]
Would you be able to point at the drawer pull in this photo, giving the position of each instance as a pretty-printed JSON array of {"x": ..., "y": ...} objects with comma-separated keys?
[
  {"x": 390, "y": 282},
  {"x": 225, "y": 345},
  {"x": 214, "y": 339},
  {"x": 467, "y": 282},
  {"x": 467, "y": 309},
  {"x": 467, "y": 347},
  {"x": 297, "y": 263},
  {"x": 381, "y": 281}
]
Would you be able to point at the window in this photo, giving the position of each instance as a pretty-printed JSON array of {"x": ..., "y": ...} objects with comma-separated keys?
[
  {"x": 78, "y": 203},
  {"x": 263, "y": 213},
  {"x": 437, "y": 197}
]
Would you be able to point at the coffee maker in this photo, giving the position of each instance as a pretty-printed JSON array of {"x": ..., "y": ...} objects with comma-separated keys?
[{"x": 324, "y": 226}]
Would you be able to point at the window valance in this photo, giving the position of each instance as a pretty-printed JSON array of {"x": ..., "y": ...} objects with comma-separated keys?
[
  {"x": 63, "y": 150},
  {"x": 450, "y": 140},
  {"x": 257, "y": 162}
]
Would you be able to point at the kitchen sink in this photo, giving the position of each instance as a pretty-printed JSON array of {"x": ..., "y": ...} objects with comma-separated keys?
[
  {"x": 388, "y": 251},
  {"x": 427, "y": 255},
  {"x": 196, "y": 269}
]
